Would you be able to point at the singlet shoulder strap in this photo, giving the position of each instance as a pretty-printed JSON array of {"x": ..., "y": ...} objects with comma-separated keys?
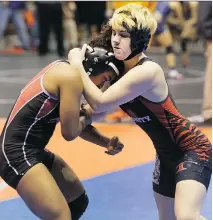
[
  {"x": 143, "y": 60},
  {"x": 65, "y": 61}
]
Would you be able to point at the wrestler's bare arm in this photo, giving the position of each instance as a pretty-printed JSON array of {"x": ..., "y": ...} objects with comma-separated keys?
[
  {"x": 135, "y": 82},
  {"x": 70, "y": 89}
]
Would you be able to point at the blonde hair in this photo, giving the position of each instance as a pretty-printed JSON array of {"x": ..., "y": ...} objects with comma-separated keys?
[{"x": 143, "y": 17}]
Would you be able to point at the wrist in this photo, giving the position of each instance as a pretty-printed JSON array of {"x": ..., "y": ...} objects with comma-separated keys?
[
  {"x": 79, "y": 66},
  {"x": 75, "y": 63},
  {"x": 106, "y": 141},
  {"x": 85, "y": 121}
]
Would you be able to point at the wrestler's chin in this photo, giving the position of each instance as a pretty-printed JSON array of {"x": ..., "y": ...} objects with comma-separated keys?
[{"x": 119, "y": 56}]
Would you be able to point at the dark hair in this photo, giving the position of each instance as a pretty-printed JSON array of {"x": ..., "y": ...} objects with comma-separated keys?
[{"x": 103, "y": 39}]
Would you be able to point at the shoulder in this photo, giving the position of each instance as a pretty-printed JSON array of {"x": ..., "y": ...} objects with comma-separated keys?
[
  {"x": 65, "y": 74},
  {"x": 149, "y": 68},
  {"x": 61, "y": 66},
  {"x": 65, "y": 71},
  {"x": 144, "y": 75}
]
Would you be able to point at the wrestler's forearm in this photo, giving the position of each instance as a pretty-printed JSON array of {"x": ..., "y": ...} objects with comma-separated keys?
[
  {"x": 91, "y": 134},
  {"x": 92, "y": 94}
]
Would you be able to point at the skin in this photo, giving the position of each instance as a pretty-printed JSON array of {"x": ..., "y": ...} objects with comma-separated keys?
[
  {"x": 58, "y": 85},
  {"x": 128, "y": 87},
  {"x": 165, "y": 38},
  {"x": 147, "y": 80},
  {"x": 121, "y": 50},
  {"x": 49, "y": 199}
]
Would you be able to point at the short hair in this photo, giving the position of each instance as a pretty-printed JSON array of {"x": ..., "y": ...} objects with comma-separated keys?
[{"x": 133, "y": 16}]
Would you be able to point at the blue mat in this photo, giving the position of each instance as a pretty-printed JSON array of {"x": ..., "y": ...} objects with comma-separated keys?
[{"x": 123, "y": 195}]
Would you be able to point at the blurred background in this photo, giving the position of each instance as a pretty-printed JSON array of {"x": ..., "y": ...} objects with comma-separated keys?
[
  {"x": 35, "y": 33},
  {"x": 46, "y": 30}
]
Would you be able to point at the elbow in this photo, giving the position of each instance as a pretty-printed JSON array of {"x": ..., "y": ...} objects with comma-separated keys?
[{"x": 69, "y": 136}]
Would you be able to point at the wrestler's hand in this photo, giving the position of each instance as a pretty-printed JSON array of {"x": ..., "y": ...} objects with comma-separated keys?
[
  {"x": 85, "y": 108},
  {"x": 88, "y": 110},
  {"x": 114, "y": 146},
  {"x": 76, "y": 55},
  {"x": 85, "y": 119}
]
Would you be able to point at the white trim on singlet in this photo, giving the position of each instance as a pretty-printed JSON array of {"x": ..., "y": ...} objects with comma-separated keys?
[
  {"x": 41, "y": 84},
  {"x": 20, "y": 108},
  {"x": 42, "y": 80},
  {"x": 36, "y": 120},
  {"x": 49, "y": 96},
  {"x": 53, "y": 64},
  {"x": 6, "y": 155},
  {"x": 23, "y": 147},
  {"x": 5, "y": 131},
  {"x": 29, "y": 84}
]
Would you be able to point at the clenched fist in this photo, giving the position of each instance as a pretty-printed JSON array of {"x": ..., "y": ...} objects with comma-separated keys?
[{"x": 114, "y": 146}]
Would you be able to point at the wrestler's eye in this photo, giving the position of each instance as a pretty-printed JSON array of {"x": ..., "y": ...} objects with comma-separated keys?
[
  {"x": 124, "y": 34},
  {"x": 113, "y": 33}
]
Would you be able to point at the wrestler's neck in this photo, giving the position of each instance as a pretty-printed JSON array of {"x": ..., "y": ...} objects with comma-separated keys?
[{"x": 129, "y": 64}]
